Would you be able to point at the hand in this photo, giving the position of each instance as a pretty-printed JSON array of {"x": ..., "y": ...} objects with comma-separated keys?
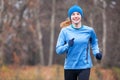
[
  {"x": 71, "y": 42},
  {"x": 99, "y": 56}
]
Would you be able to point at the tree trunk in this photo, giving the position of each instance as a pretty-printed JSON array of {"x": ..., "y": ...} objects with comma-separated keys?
[
  {"x": 52, "y": 25},
  {"x": 95, "y": 2},
  {"x": 91, "y": 20},
  {"x": 1, "y": 11},
  {"x": 1, "y": 26},
  {"x": 39, "y": 35},
  {"x": 40, "y": 43},
  {"x": 104, "y": 29}
]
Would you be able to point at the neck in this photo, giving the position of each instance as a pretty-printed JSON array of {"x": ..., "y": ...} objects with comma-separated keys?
[{"x": 77, "y": 25}]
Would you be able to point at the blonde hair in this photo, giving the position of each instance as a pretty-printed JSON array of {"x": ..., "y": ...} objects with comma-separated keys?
[{"x": 65, "y": 23}]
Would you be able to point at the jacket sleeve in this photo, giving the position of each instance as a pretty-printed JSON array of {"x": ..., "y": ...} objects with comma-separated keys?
[
  {"x": 61, "y": 46},
  {"x": 94, "y": 43}
]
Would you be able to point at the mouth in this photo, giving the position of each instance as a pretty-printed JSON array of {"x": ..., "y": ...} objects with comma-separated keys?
[{"x": 76, "y": 19}]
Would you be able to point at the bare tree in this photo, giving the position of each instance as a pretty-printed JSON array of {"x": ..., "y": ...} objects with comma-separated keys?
[
  {"x": 52, "y": 25},
  {"x": 1, "y": 12},
  {"x": 104, "y": 28},
  {"x": 39, "y": 33},
  {"x": 1, "y": 26}
]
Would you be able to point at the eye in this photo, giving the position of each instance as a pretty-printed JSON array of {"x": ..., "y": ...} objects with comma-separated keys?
[
  {"x": 78, "y": 13},
  {"x": 73, "y": 13}
]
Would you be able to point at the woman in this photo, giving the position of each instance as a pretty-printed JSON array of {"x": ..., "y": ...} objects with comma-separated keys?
[{"x": 74, "y": 40}]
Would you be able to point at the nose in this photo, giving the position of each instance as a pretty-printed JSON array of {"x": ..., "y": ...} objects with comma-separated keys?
[{"x": 75, "y": 16}]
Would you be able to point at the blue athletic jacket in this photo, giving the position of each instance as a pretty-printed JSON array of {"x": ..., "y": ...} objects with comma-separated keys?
[{"x": 77, "y": 56}]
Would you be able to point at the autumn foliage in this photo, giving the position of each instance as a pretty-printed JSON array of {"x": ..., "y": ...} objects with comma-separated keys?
[{"x": 55, "y": 72}]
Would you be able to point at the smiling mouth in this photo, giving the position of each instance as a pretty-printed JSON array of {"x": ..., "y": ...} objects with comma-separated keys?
[{"x": 76, "y": 19}]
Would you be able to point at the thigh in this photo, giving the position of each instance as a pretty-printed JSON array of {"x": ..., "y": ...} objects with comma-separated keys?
[
  {"x": 70, "y": 75},
  {"x": 84, "y": 74}
]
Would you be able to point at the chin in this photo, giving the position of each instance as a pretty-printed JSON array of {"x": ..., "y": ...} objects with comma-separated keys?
[{"x": 76, "y": 22}]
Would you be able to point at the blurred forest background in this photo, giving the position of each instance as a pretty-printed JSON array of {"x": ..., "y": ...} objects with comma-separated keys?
[{"x": 29, "y": 31}]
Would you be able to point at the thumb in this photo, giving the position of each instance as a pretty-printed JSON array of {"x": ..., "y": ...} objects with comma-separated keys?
[{"x": 72, "y": 39}]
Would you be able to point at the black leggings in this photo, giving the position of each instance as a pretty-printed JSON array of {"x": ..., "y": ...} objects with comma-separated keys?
[{"x": 73, "y": 74}]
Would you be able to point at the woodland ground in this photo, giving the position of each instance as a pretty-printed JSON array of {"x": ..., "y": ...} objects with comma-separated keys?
[{"x": 54, "y": 72}]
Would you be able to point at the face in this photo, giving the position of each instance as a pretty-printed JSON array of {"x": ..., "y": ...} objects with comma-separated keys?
[{"x": 76, "y": 17}]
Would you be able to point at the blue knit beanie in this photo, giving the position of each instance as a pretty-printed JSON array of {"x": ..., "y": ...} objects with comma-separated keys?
[{"x": 75, "y": 8}]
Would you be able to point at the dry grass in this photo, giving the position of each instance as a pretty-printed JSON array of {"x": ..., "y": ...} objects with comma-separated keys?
[{"x": 55, "y": 72}]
